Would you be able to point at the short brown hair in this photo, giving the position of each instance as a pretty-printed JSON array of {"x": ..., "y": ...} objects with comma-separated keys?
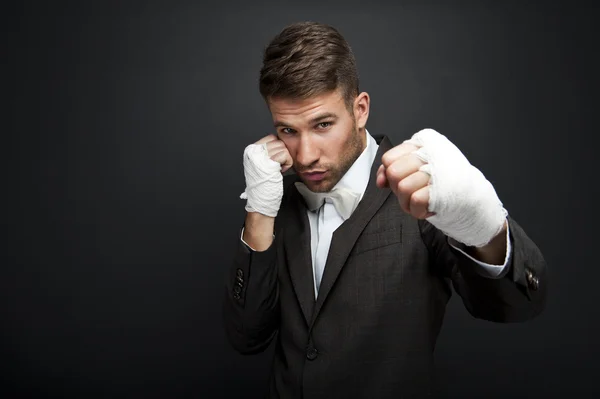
[{"x": 307, "y": 59}]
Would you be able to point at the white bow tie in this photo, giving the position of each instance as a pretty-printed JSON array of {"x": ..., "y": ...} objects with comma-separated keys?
[{"x": 344, "y": 200}]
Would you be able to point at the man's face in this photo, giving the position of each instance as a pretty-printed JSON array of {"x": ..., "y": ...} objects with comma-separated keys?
[{"x": 323, "y": 137}]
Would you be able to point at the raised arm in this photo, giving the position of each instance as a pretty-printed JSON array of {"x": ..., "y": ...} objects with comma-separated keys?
[{"x": 251, "y": 299}]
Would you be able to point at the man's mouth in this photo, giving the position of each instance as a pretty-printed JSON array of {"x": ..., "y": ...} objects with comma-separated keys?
[{"x": 314, "y": 176}]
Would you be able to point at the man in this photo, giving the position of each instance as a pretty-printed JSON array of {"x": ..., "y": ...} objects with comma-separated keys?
[{"x": 348, "y": 263}]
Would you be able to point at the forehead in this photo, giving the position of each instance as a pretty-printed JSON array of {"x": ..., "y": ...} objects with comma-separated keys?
[{"x": 305, "y": 109}]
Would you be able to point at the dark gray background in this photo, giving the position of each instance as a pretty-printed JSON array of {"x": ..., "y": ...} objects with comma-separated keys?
[{"x": 124, "y": 129}]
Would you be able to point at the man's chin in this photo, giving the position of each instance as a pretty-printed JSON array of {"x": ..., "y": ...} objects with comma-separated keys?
[{"x": 321, "y": 186}]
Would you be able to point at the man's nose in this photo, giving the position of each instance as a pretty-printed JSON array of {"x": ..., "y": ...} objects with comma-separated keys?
[{"x": 307, "y": 153}]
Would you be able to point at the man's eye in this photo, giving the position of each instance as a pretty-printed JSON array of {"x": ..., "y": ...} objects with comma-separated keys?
[
  {"x": 324, "y": 125},
  {"x": 287, "y": 130}
]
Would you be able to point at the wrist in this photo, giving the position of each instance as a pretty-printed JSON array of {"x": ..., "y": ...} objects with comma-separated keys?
[
  {"x": 258, "y": 231},
  {"x": 494, "y": 251}
]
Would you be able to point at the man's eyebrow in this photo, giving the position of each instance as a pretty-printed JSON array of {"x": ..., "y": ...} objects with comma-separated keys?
[
  {"x": 280, "y": 124},
  {"x": 322, "y": 117},
  {"x": 327, "y": 115}
]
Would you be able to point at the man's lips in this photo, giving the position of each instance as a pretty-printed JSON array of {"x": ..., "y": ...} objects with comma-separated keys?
[{"x": 314, "y": 176}]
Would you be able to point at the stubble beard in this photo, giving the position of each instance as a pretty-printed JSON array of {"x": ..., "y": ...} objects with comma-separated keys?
[{"x": 350, "y": 154}]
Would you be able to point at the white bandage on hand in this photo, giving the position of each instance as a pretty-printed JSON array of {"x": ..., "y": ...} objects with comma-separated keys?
[
  {"x": 264, "y": 181},
  {"x": 466, "y": 205}
]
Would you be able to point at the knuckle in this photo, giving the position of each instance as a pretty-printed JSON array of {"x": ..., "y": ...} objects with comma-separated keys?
[
  {"x": 410, "y": 147},
  {"x": 417, "y": 200},
  {"x": 402, "y": 148},
  {"x": 404, "y": 186},
  {"x": 263, "y": 140},
  {"x": 418, "y": 205},
  {"x": 387, "y": 159},
  {"x": 392, "y": 170},
  {"x": 274, "y": 146}
]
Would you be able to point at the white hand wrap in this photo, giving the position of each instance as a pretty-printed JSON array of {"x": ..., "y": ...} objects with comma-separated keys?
[
  {"x": 264, "y": 181},
  {"x": 465, "y": 202}
]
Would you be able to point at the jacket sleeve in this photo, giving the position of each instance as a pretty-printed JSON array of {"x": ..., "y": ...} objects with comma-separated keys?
[
  {"x": 517, "y": 294},
  {"x": 251, "y": 299}
]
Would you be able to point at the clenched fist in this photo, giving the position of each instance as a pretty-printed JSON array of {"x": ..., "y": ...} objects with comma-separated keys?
[
  {"x": 400, "y": 172},
  {"x": 433, "y": 180},
  {"x": 264, "y": 163},
  {"x": 277, "y": 151}
]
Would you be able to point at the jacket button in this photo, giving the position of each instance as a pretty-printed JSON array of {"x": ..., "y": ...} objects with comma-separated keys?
[
  {"x": 311, "y": 353},
  {"x": 237, "y": 289},
  {"x": 240, "y": 273},
  {"x": 532, "y": 279}
]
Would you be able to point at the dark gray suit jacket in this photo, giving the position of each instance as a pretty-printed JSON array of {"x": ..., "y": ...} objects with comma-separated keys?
[{"x": 388, "y": 277}]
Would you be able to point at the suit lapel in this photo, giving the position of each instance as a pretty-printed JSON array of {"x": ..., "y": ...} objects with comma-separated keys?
[
  {"x": 298, "y": 254},
  {"x": 345, "y": 236}
]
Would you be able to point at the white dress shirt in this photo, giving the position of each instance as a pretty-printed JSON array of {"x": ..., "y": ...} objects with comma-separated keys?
[{"x": 325, "y": 220}]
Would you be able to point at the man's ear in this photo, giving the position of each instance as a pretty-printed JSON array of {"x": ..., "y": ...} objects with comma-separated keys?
[{"x": 361, "y": 109}]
